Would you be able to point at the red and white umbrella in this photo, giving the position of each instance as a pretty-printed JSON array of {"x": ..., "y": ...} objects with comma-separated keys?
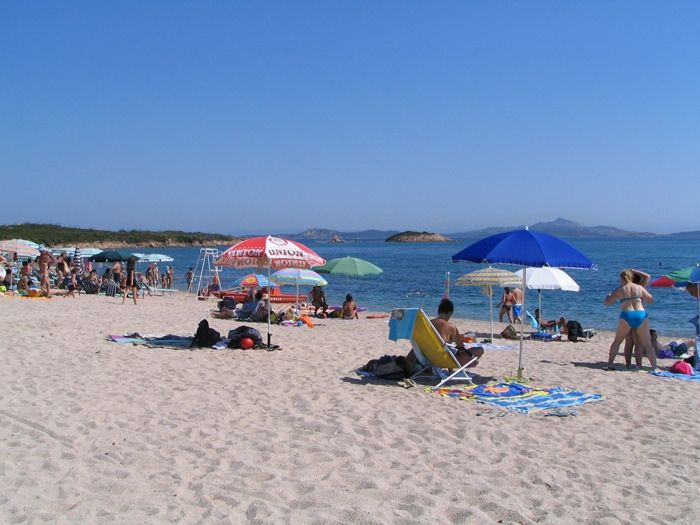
[{"x": 269, "y": 252}]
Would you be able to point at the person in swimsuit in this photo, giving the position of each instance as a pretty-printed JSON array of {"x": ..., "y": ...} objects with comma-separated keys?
[
  {"x": 349, "y": 308},
  {"x": 450, "y": 334},
  {"x": 631, "y": 344},
  {"x": 633, "y": 317},
  {"x": 45, "y": 262},
  {"x": 130, "y": 283},
  {"x": 517, "y": 305},
  {"x": 506, "y": 303}
]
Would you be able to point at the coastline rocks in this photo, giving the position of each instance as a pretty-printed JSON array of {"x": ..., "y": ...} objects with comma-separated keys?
[{"x": 411, "y": 236}]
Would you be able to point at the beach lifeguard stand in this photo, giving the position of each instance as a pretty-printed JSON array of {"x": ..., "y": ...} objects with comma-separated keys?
[{"x": 206, "y": 270}]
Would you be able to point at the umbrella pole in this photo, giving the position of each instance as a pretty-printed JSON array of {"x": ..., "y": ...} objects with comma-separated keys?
[
  {"x": 539, "y": 300},
  {"x": 520, "y": 353},
  {"x": 269, "y": 305},
  {"x": 491, "y": 308}
]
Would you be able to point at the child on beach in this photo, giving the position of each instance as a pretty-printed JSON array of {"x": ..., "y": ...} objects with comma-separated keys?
[{"x": 72, "y": 283}]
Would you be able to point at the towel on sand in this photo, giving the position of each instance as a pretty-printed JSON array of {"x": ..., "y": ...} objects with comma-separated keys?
[
  {"x": 520, "y": 398},
  {"x": 170, "y": 340},
  {"x": 685, "y": 377}
]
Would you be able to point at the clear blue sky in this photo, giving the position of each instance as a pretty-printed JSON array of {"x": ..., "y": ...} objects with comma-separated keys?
[{"x": 256, "y": 117}]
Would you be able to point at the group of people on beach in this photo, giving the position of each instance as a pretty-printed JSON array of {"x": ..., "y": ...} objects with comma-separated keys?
[{"x": 48, "y": 272}]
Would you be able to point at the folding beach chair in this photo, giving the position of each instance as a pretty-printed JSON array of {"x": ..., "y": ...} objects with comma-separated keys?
[{"x": 432, "y": 353}]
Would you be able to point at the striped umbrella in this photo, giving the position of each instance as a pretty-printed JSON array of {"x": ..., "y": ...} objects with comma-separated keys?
[
  {"x": 489, "y": 277},
  {"x": 21, "y": 247},
  {"x": 270, "y": 252}
]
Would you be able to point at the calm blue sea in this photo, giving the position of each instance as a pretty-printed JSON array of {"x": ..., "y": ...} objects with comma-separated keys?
[{"x": 414, "y": 275}]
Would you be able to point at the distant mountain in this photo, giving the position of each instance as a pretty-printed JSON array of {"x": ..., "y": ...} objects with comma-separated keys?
[
  {"x": 321, "y": 234},
  {"x": 559, "y": 227},
  {"x": 685, "y": 235}
]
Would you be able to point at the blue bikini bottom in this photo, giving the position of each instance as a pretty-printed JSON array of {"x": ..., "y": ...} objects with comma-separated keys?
[{"x": 634, "y": 318}]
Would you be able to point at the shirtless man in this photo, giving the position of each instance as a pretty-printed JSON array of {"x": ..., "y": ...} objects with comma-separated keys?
[
  {"x": 518, "y": 305},
  {"x": 117, "y": 272},
  {"x": 45, "y": 262},
  {"x": 450, "y": 334}
]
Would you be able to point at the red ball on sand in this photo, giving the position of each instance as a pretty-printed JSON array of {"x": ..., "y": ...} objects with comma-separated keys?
[{"x": 247, "y": 343}]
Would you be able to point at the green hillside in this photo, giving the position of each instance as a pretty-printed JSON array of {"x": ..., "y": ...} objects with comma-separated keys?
[{"x": 54, "y": 235}]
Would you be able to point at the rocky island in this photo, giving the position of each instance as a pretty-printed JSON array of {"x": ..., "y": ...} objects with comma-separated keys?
[{"x": 410, "y": 236}]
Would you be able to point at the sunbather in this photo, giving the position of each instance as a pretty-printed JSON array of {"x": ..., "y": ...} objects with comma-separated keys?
[
  {"x": 450, "y": 334},
  {"x": 349, "y": 308}
]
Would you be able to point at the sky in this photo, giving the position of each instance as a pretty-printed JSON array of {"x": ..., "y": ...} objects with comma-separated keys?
[{"x": 261, "y": 117}]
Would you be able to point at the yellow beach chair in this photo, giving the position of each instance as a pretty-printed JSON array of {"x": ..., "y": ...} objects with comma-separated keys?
[{"x": 432, "y": 353}]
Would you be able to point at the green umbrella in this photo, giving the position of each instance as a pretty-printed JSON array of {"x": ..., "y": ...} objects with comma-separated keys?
[
  {"x": 111, "y": 256},
  {"x": 350, "y": 267}
]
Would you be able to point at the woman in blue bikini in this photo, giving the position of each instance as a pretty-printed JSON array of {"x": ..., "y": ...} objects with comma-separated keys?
[{"x": 633, "y": 317}]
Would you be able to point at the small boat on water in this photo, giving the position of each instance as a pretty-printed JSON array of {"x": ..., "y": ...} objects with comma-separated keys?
[{"x": 276, "y": 295}]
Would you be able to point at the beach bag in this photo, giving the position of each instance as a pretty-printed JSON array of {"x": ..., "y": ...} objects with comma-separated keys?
[
  {"x": 389, "y": 367},
  {"x": 236, "y": 335},
  {"x": 205, "y": 335},
  {"x": 574, "y": 330},
  {"x": 509, "y": 332},
  {"x": 681, "y": 367}
]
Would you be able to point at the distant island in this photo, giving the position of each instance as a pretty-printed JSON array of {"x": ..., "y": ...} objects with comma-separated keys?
[
  {"x": 410, "y": 236},
  {"x": 559, "y": 227},
  {"x": 53, "y": 235}
]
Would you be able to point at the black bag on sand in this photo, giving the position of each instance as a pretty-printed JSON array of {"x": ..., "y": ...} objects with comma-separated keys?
[
  {"x": 236, "y": 335},
  {"x": 389, "y": 367},
  {"x": 205, "y": 336},
  {"x": 574, "y": 330}
]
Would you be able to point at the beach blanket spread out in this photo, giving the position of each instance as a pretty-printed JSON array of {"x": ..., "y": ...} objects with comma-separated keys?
[
  {"x": 685, "y": 377},
  {"x": 520, "y": 398},
  {"x": 171, "y": 341}
]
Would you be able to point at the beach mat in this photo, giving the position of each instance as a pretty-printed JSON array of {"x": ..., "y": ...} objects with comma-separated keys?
[
  {"x": 684, "y": 377},
  {"x": 489, "y": 346},
  {"x": 519, "y": 398},
  {"x": 168, "y": 341}
]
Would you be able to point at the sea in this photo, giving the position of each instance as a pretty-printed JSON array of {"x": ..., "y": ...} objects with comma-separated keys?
[{"x": 416, "y": 274}]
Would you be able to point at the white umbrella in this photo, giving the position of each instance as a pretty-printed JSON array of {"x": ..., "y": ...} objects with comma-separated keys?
[
  {"x": 489, "y": 277},
  {"x": 298, "y": 276},
  {"x": 153, "y": 257},
  {"x": 547, "y": 278}
]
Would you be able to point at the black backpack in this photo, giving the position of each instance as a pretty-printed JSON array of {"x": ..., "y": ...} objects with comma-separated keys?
[
  {"x": 389, "y": 367},
  {"x": 574, "y": 330},
  {"x": 205, "y": 336},
  {"x": 236, "y": 335}
]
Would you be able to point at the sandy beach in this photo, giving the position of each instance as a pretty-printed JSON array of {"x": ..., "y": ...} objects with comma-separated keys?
[{"x": 98, "y": 432}]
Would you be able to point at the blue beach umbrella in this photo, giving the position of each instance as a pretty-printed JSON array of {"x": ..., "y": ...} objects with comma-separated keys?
[{"x": 524, "y": 248}]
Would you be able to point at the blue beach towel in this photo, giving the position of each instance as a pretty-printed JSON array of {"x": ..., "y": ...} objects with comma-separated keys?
[
  {"x": 519, "y": 398},
  {"x": 684, "y": 377},
  {"x": 171, "y": 341},
  {"x": 401, "y": 323},
  {"x": 555, "y": 398}
]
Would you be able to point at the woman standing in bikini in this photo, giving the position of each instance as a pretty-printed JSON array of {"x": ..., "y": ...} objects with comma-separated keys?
[
  {"x": 507, "y": 302},
  {"x": 633, "y": 317}
]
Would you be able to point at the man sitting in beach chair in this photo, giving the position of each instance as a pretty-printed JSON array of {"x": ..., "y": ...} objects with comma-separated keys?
[{"x": 437, "y": 345}]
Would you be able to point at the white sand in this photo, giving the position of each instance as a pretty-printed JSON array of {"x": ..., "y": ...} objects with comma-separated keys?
[{"x": 99, "y": 432}]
